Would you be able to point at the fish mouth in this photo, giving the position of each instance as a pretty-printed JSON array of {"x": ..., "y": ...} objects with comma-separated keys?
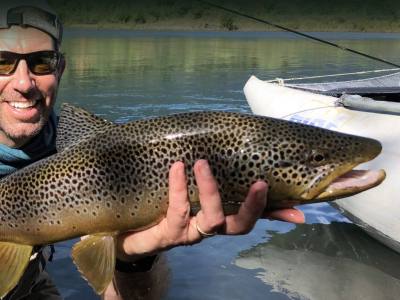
[
  {"x": 348, "y": 184},
  {"x": 345, "y": 181}
]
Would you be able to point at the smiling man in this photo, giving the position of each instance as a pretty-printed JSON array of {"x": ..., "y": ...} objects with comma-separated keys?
[{"x": 31, "y": 67}]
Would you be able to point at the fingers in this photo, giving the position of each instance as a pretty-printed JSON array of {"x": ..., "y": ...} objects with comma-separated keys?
[
  {"x": 291, "y": 215},
  {"x": 178, "y": 213},
  {"x": 211, "y": 216},
  {"x": 179, "y": 228},
  {"x": 179, "y": 207},
  {"x": 250, "y": 210}
]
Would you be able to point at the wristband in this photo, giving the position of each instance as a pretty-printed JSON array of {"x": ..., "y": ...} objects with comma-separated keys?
[{"x": 142, "y": 265}]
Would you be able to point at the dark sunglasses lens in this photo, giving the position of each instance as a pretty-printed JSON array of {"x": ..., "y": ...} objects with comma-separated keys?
[
  {"x": 43, "y": 62},
  {"x": 7, "y": 62}
]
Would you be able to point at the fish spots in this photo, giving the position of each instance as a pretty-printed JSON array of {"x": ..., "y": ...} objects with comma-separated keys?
[{"x": 121, "y": 172}]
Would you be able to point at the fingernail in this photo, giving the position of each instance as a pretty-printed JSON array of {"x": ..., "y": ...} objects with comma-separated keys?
[
  {"x": 181, "y": 169},
  {"x": 178, "y": 169},
  {"x": 205, "y": 169}
]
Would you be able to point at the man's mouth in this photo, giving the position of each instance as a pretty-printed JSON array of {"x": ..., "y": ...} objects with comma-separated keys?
[
  {"x": 26, "y": 110},
  {"x": 23, "y": 105}
]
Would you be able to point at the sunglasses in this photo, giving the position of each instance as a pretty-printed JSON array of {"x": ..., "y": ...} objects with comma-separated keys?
[{"x": 39, "y": 63}]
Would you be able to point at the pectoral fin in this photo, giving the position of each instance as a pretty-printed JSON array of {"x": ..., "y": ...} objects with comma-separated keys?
[
  {"x": 94, "y": 257},
  {"x": 14, "y": 259}
]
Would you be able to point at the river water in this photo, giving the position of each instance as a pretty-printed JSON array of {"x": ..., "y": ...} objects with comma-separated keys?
[{"x": 124, "y": 75}]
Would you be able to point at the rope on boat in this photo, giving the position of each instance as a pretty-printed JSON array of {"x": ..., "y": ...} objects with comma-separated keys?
[
  {"x": 281, "y": 81},
  {"x": 367, "y": 104}
]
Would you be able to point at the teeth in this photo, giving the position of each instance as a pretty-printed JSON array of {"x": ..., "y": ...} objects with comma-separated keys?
[{"x": 25, "y": 104}]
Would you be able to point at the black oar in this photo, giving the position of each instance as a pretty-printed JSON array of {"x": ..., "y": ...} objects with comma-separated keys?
[{"x": 298, "y": 33}]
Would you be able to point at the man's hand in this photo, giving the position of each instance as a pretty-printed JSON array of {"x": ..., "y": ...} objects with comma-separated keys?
[{"x": 179, "y": 228}]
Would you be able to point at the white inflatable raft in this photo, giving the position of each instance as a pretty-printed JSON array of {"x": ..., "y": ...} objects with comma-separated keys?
[{"x": 377, "y": 210}]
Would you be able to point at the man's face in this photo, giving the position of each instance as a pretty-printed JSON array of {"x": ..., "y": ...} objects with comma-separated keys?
[{"x": 26, "y": 99}]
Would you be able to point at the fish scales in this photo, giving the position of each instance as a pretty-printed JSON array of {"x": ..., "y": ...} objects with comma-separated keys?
[
  {"x": 107, "y": 179},
  {"x": 119, "y": 177}
]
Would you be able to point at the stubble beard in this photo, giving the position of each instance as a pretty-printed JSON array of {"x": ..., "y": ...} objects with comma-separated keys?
[{"x": 21, "y": 133}]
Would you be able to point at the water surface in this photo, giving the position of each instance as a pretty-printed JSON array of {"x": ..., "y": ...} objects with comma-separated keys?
[{"x": 123, "y": 76}]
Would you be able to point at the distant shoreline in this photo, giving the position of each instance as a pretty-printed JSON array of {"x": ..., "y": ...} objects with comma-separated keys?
[
  {"x": 190, "y": 15},
  {"x": 241, "y": 27}
]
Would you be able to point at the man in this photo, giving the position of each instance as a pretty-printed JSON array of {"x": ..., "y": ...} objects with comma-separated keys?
[{"x": 31, "y": 67}]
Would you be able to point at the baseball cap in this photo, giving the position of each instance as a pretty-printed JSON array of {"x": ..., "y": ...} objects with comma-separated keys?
[{"x": 36, "y": 14}]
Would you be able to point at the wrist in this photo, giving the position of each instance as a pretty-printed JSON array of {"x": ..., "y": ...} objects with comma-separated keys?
[{"x": 144, "y": 264}]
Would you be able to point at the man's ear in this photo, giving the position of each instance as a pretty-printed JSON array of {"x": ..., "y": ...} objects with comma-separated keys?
[{"x": 61, "y": 67}]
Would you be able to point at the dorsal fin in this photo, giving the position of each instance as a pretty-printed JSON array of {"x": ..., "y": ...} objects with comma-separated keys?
[{"x": 76, "y": 124}]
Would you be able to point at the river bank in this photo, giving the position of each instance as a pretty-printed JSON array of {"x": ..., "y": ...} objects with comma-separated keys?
[{"x": 310, "y": 15}]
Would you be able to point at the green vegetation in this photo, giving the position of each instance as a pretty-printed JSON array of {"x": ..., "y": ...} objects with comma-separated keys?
[
  {"x": 307, "y": 15},
  {"x": 228, "y": 23}
]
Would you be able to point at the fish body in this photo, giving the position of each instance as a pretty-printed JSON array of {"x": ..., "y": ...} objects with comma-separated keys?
[{"x": 108, "y": 178}]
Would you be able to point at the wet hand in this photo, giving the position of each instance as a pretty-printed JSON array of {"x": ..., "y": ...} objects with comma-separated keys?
[{"x": 179, "y": 228}]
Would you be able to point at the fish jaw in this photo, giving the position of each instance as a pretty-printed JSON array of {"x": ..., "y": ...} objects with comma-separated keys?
[
  {"x": 351, "y": 183},
  {"x": 346, "y": 181}
]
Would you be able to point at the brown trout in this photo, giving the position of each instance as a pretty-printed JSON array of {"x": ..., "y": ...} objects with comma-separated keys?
[{"x": 108, "y": 178}]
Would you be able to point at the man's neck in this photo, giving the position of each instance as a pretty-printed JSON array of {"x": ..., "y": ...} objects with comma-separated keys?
[{"x": 13, "y": 142}]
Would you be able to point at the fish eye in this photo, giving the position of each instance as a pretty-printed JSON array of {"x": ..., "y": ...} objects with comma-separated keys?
[{"x": 317, "y": 157}]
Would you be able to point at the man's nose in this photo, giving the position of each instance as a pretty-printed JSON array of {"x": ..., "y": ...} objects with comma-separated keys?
[{"x": 23, "y": 81}]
